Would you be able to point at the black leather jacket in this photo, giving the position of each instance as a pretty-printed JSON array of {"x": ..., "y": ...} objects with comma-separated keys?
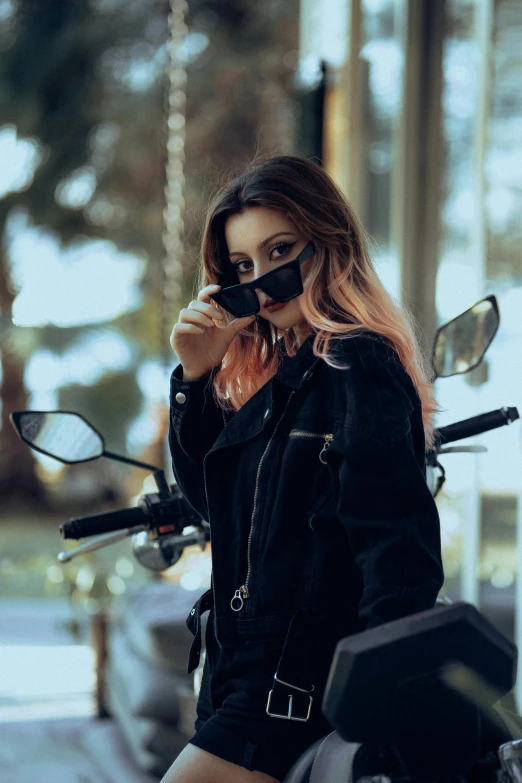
[{"x": 315, "y": 491}]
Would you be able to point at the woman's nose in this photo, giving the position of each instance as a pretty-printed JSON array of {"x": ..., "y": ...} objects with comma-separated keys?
[{"x": 263, "y": 298}]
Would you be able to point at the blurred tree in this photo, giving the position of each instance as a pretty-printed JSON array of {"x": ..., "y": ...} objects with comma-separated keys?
[
  {"x": 241, "y": 60},
  {"x": 86, "y": 81},
  {"x": 62, "y": 66},
  {"x": 108, "y": 406}
]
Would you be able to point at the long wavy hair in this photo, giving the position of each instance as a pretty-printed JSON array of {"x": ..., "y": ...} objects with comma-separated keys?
[{"x": 345, "y": 296}]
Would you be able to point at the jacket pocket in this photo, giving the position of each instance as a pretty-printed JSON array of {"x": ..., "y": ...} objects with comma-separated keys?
[
  {"x": 323, "y": 490},
  {"x": 326, "y": 437},
  {"x": 193, "y": 623}
]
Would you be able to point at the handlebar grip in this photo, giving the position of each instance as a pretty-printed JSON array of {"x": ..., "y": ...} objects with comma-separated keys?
[
  {"x": 476, "y": 425},
  {"x": 106, "y": 522}
]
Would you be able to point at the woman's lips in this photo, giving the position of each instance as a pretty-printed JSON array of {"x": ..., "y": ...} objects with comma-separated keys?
[{"x": 271, "y": 308}]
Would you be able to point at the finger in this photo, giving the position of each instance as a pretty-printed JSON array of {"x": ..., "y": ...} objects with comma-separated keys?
[
  {"x": 239, "y": 323},
  {"x": 204, "y": 294},
  {"x": 187, "y": 329},
  {"x": 207, "y": 308},
  {"x": 188, "y": 315}
]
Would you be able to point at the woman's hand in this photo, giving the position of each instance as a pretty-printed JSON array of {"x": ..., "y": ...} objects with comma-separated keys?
[{"x": 199, "y": 344}]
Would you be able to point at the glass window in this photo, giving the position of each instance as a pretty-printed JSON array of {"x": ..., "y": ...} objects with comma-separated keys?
[
  {"x": 480, "y": 240},
  {"x": 382, "y": 56}
]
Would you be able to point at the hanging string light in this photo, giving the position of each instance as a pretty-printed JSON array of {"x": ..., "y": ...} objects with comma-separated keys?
[{"x": 175, "y": 180}]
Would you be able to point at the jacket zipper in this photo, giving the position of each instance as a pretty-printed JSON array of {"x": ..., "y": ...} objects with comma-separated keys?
[
  {"x": 241, "y": 594},
  {"x": 327, "y": 440}
]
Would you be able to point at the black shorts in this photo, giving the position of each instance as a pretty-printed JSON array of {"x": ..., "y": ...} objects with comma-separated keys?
[{"x": 232, "y": 722}]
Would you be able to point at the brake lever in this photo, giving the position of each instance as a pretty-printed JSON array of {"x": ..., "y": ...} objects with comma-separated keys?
[
  {"x": 99, "y": 542},
  {"x": 474, "y": 449}
]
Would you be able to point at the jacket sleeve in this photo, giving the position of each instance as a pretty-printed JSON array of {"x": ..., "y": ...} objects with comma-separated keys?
[
  {"x": 195, "y": 422},
  {"x": 382, "y": 497}
]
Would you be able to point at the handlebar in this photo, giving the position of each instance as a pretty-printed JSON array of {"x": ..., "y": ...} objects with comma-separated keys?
[
  {"x": 106, "y": 522},
  {"x": 476, "y": 425},
  {"x": 164, "y": 514},
  {"x": 171, "y": 514}
]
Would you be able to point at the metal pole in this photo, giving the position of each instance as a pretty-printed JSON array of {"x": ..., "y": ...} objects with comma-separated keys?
[
  {"x": 518, "y": 595},
  {"x": 415, "y": 216},
  {"x": 175, "y": 180},
  {"x": 470, "y": 579}
]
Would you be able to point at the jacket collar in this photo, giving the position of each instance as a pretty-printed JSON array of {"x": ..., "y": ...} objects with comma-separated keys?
[
  {"x": 252, "y": 417},
  {"x": 294, "y": 370}
]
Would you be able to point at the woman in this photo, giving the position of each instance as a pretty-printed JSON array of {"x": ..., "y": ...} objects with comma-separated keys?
[{"x": 298, "y": 431}]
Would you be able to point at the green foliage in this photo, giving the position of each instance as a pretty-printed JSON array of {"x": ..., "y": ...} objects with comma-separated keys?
[
  {"x": 109, "y": 405},
  {"x": 70, "y": 79}
]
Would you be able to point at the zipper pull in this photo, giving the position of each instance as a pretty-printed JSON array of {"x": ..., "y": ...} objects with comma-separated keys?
[
  {"x": 327, "y": 441},
  {"x": 236, "y": 604}
]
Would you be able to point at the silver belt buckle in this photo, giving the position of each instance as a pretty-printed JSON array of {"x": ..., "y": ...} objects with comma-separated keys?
[{"x": 289, "y": 715}]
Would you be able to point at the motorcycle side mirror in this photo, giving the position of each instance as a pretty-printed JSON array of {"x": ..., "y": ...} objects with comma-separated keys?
[
  {"x": 460, "y": 344},
  {"x": 69, "y": 438},
  {"x": 65, "y": 436}
]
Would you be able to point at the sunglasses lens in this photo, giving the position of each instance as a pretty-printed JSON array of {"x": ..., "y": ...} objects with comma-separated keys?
[
  {"x": 283, "y": 284},
  {"x": 239, "y": 302}
]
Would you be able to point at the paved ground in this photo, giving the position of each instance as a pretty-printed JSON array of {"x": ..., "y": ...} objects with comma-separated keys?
[
  {"x": 47, "y": 730},
  {"x": 72, "y": 750}
]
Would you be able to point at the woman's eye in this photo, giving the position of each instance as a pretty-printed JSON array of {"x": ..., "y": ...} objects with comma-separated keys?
[
  {"x": 282, "y": 250},
  {"x": 284, "y": 247}
]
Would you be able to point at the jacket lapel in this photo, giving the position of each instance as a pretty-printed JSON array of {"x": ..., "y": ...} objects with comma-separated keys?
[{"x": 249, "y": 420}]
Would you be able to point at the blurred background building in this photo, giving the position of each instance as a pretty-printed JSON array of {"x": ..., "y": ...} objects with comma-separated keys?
[
  {"x": 115, "y": 131},
  {"x": 421, "y": 125}
]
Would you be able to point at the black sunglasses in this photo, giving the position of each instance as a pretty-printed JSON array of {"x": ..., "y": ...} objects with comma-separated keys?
[{"x": 281, "y": 284}]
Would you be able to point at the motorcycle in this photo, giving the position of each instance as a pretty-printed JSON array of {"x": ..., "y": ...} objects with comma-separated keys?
[
  {"x": 163, "y": 524},
  {"x": 416, "y": 700}
]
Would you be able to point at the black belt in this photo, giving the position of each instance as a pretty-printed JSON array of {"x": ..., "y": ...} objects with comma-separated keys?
[
  {"x": 303, "y": 651},
  {"x": 291, "y": 694}
]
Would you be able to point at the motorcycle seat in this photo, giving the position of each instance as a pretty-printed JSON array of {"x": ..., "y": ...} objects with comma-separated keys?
[{"x": 329, "y": 760}]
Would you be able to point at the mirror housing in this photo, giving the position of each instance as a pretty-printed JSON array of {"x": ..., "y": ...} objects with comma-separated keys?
[
  {"x": 69, "y": 438},
  {"x": 460, "y": 344},
  {"x": 66, "y": 436}
]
